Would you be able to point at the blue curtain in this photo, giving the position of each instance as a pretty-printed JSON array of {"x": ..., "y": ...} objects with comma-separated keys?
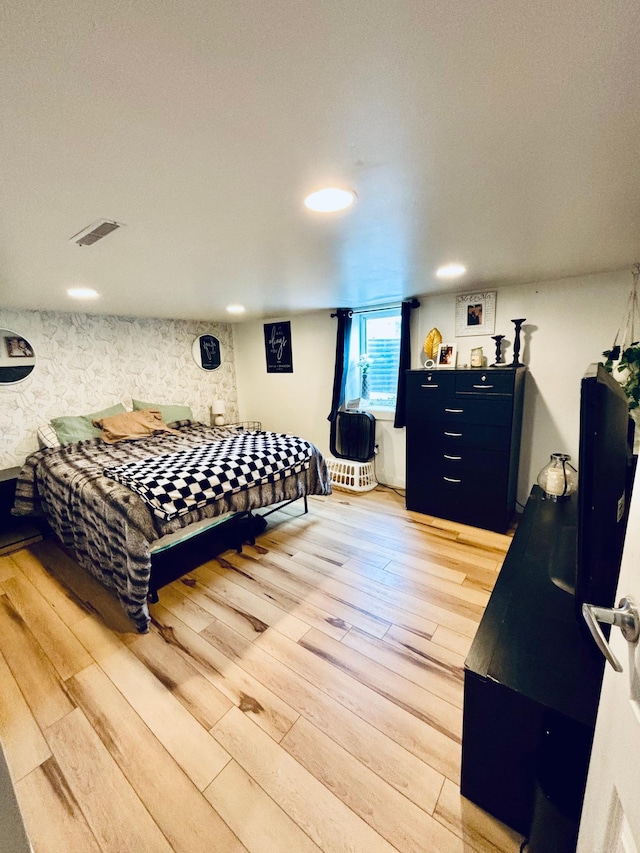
[
  {"x": 405, "y": 360},
  {"x": 343, "y": 341}
]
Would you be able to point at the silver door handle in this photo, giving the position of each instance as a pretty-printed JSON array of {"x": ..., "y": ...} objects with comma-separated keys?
[
  {"x": 625, "y": 616},
  {"x": 451, "y": 480},
  {"x": 429, "y": 386},
  {"x": 455, "y": 411},
  {"x": 454, "y": 434},
  {"x": 483, "y": 386},
  {"x": 452, "y": 458}
]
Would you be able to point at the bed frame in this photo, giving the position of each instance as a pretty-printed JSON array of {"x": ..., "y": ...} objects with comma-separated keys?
[{"x": 171, "y": 563}]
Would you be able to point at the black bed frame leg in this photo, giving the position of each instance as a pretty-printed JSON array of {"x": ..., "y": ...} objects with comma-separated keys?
[
  {"x": 153, "y": 596},
  {"x": 306, "y": 505}
]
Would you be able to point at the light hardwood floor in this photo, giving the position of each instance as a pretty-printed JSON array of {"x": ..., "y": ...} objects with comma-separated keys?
[{"x": 303, "y": 696}]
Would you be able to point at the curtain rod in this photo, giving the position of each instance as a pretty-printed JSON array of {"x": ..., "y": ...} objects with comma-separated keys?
[{"x": 414, "y": 304}]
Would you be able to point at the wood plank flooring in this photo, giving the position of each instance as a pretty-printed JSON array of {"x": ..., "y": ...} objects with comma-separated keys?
[{"x": 305, "y": 695}]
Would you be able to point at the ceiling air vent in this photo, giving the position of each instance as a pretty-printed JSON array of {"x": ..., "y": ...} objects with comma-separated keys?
[{"x": 90, "y": 235}]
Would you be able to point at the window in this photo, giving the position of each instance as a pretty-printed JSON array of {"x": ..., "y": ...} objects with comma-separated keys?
[{"x": 375, "y": 357}]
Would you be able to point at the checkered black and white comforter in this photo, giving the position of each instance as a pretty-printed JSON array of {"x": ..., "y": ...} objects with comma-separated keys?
[{"x": 176, "y": 483}]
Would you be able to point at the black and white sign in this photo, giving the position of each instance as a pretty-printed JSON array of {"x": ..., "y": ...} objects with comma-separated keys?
[{"x": 277, "y": 342}]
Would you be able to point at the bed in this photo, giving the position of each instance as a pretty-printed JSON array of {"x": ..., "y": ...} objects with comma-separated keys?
[{"x": 120, "y": 506}]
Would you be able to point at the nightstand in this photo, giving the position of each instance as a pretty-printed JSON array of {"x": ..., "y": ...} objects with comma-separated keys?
[{"x": 15, "y": 533}]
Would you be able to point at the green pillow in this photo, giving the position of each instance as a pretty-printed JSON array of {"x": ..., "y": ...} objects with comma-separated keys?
[
  {"x": 170, "y": 414},
  {"x": 80, "y": 427}
]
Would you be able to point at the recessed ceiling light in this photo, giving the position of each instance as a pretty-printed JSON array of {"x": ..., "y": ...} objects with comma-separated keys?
[
  {"x": 235, "y": 309},
  {"x": 330, "y": 200},
  {"x": 451, "y": 271},
  {"x": 82, "y": 293}
]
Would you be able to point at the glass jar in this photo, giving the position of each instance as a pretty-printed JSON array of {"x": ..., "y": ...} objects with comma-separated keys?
[{"x": 558, "y": 479}]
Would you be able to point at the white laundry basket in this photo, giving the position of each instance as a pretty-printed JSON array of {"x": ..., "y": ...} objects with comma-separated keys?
[{"x": 351, "y": 476}]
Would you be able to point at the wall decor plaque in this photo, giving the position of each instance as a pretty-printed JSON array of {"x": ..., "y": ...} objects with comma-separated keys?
[{"x": 277, "y": 343}]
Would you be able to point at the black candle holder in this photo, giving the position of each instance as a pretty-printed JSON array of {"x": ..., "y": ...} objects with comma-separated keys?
[
  {"x": 516, "y": 343},
  {"x": 498, "y": 339}
]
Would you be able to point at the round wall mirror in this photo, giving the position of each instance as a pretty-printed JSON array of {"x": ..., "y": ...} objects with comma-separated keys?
[
  {"x": 17, "y": 357},
  {"x": 207, "y": 352}
]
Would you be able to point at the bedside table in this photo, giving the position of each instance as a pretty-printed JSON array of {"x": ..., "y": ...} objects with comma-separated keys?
[{"x": 15, "y": 533}]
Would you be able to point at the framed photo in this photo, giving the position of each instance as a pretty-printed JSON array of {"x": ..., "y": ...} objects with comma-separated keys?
[
  {"x": 475, "y": 314},
  {"x": 447, "y": 354},
  {"x": 18, "y": 348}
]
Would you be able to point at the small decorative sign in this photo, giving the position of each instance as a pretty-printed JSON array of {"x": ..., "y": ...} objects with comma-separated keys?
[
  {"x": 207, "y": 352},
  {"x": 277, "y": 342},
  {"x": 475, "y": 314}
]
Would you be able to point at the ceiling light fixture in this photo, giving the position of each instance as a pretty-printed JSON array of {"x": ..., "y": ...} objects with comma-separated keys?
[
  {"x": 235, "y": 309},
  {"x": 82, "y": 293},
  {"x": 451, "y": 271},
  {"x": 330, "y": 200}
]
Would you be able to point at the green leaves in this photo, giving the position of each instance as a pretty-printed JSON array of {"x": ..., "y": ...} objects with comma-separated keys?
[{"x": 629, "y": 360}]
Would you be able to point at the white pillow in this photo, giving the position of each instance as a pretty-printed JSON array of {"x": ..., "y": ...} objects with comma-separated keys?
[{"x": 47, "y": 436}]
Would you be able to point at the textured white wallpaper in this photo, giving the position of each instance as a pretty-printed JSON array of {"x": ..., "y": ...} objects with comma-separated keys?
[{"x": 85, "y": 363}]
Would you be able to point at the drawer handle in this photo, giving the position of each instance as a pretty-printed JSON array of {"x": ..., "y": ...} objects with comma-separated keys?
[
  {"x": 454, "y": 434},
  {"x": 452, "y": 458},
  {"x": 455, "y": 411},
  {"x": 451, "y": 480},
  {"x": 483, "y": 386},
  {"x": 429, "y": 386}
]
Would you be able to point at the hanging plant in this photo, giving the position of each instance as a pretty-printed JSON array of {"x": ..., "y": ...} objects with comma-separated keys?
[
  {"x": 625, "y": 367},
  {"x": 623, "y": 359}
]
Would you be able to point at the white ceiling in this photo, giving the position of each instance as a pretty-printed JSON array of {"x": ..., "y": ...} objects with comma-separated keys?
[{"x": 502, "y": 133}]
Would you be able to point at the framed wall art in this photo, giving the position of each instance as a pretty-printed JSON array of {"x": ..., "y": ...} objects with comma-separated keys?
[
  {"x": 207, "y": 352},
  {"x": 475, "y": 314},
  {"x": 277, "y": 342}
]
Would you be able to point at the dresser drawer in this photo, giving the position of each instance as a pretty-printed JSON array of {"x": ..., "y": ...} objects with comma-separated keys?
[
  {"x": 469, "y": 462},
  {"x": 465, "y": 410},
  {"x": 485, "y": 382},
  {"x": 434, "y": 437},
  {"x": 425, "y": 387}
]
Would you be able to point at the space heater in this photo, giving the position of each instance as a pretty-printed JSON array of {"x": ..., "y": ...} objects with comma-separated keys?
[{"x": 353, "y": 436}]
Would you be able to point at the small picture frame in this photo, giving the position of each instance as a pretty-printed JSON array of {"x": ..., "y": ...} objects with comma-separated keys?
[
  {"x": 18, "y": 347},
  {"x": 447, "y": 354}
]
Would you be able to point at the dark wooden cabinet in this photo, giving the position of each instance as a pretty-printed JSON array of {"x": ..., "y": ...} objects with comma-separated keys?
[
  {"x": 463, "y": 443},
  {"x": 531, "y": 687}
]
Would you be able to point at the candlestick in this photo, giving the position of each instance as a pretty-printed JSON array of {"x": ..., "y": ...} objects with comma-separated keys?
[
  {"x": 516, "y": 342},
  {"x": 498, "y": 339}
]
